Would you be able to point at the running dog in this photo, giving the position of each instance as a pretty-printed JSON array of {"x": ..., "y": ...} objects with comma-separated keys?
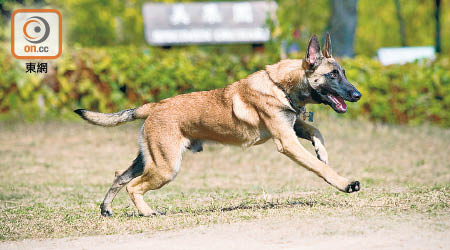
[{"x": 248, "y": 112}]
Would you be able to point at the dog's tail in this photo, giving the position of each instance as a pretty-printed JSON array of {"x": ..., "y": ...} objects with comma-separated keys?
[{"x": 114, "y": 119}]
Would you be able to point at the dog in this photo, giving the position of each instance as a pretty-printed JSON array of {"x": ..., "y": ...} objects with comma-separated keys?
[{"x": 263, "y": 106}]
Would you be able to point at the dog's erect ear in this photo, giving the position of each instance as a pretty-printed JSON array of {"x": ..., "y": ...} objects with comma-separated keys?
[
  {"x": 326, "y": 50},
  {"x": 312, "y": 53}
]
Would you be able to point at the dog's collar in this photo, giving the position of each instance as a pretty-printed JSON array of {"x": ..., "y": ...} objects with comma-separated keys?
[
  {"x": 289, "y": 99},
  {"x": 291, "y": 103}
]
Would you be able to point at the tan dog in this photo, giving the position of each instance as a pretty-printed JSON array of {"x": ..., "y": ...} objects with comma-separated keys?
[{"x": 264, "y": 105}]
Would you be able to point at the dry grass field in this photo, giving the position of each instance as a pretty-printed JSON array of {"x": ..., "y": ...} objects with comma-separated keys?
[{"x": 54, "y": 175}]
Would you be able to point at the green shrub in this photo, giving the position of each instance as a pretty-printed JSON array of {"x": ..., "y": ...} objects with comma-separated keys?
[
  {"x": 410, "y": 93},
  {"x": 15, "y": 87},
  {"x": 111, "y": 79},
  {"x": 108, "y": 79}
]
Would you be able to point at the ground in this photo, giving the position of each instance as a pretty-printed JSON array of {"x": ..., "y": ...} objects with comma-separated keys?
[
  {"x": 290, "y": 232},
  {"x": 54, "y": 175}
]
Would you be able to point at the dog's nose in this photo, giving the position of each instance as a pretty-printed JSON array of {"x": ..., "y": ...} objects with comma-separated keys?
[{"x": 356, "y": 95}]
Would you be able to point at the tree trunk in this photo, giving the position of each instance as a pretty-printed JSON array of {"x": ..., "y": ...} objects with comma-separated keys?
[
  {"x": 438, "y": 26},
  {"x": 401, "y": 22},
  {"x": 342, "y": 27}
]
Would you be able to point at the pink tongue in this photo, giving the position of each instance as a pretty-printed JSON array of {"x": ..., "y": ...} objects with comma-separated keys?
[{"x": 340, "y": 103}]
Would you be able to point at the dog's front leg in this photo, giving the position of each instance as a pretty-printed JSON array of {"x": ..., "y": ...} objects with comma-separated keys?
[
  {"x": 287, "y": 143},
  {"x": 290, "y": 146},
  {"x": 311, "y": 133}
]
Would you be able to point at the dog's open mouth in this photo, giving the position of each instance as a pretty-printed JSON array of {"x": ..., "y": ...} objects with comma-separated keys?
[
  {"x": 332, "y": 99},
  {"x": 337, "y": 103}
]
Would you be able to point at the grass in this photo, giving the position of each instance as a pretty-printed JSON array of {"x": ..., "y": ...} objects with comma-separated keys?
[{"x": 54, "y": 175}]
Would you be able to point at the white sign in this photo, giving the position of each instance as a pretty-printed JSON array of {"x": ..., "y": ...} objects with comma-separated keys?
[
  {"x": 404, "y": 55},
  {"x": 207, "y": 22}
]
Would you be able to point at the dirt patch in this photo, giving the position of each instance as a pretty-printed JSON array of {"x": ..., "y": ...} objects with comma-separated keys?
[{"x": 353, "y": 232}]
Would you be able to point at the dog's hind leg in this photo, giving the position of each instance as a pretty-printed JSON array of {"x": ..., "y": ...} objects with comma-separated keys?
[
  {"x": 166, "y": 154},
  {"x": 311, "y": 133},
  {"x": 136, "y": 169}
]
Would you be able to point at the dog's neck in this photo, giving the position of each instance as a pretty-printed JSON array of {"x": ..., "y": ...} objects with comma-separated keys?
[
  {"x": 301, "y": 95},
  {"x": 286, "y": 73},
  {"x": 292, "y": 79}
]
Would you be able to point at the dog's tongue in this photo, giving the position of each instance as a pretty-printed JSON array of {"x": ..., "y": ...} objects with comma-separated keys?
[{"x": 340, "y": 103}]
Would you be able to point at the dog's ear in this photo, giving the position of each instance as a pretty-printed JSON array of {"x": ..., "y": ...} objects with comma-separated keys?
[
  {"x": 312, "y": 53},
  {"x": 326, "y": 50}
]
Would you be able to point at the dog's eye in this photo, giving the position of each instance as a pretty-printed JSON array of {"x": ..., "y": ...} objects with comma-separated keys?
[{"x": 334, "y": 74}]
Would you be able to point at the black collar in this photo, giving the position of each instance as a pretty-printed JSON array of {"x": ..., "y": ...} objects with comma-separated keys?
[{"x": 288, "y": 97}]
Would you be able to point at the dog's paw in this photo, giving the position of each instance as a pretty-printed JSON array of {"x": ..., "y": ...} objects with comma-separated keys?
[
  {"x": 107, "y": 212},
  {"x": 354, "y": 186}
]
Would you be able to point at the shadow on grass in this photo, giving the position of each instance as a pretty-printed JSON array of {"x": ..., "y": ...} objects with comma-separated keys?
[
  {"x": 241, "y": 206},
  {"x": 265, "y": 205}
]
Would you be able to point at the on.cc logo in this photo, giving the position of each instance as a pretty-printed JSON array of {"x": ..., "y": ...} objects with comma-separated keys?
[{"x": 36, "y": 34}]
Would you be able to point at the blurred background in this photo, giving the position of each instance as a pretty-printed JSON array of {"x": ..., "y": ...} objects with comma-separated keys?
[{"x": 108, "y": 65}]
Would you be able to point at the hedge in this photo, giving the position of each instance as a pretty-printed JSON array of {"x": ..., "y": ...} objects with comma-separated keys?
[
  {"x": 408, "y": 94},
  {"x": 111, "y": 79}
]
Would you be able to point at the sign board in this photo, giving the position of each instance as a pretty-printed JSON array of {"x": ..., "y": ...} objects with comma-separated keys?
[
  {"x": 403, "y": 55},
  {"x": 207, "y": 22}
]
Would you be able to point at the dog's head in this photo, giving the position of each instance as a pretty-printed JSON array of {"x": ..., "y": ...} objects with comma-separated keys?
[{"x": 326, "y": 77}]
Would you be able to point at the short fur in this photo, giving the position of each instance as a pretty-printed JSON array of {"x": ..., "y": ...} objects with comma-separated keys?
[{"x": 264, "y": 105}]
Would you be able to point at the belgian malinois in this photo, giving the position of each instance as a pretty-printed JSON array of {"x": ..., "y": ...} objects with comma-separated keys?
[{"x": 248, "y": 112}]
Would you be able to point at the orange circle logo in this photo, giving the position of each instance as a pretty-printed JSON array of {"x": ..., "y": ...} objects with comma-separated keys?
[{"x": 36, "y": 29}]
